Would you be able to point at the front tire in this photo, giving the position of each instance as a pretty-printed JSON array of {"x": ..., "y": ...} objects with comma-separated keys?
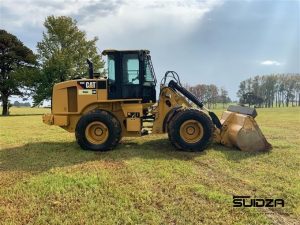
[
  {"x": 98, "y": 131},
  {"x": 190, "y": 130}
]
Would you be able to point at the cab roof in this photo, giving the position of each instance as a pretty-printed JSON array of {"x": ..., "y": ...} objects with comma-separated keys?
[{"x": 108, "y": 51}]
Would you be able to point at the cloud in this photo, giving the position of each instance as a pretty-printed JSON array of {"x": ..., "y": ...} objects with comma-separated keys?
[
  {"x": 18, "y": 13},
  {"x": 148, "y": 24},
  {"x": 21, "y": 12},
  {"x": 270, "y": 63},
  {"x": 114, "y": 21}
]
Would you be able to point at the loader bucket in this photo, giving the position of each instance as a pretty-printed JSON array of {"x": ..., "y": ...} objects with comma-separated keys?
[{"x": 239, "y": 129}]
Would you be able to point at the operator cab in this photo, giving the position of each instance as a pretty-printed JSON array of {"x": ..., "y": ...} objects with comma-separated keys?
[{"x": 130, "y": 75}]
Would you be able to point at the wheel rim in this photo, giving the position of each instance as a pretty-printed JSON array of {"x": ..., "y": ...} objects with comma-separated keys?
[
  {"x": 191, "y": 131},
  {"x": 96, "y": 132}
]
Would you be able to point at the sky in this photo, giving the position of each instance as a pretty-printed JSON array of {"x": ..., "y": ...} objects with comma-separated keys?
[{"x": 204, "y": 41}]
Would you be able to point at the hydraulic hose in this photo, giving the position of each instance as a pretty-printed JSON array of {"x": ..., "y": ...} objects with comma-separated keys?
[{"x": 172, "y": 84}]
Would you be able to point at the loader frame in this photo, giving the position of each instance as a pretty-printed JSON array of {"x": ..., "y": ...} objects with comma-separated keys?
[{"x": 102, "y": 110}]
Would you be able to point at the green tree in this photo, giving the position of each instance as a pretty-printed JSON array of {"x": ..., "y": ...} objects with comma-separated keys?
[
  {"x": 242, "y": 90},
  {"x": 224, "y": 96},
  {"x": 17, "y": 62},
  {"x": 63, "y": 53}
]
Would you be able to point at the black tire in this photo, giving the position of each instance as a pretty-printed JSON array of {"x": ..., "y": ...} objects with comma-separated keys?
[
  {"x": 201, "y": 119},
  {"x": 113, "y": 130}
]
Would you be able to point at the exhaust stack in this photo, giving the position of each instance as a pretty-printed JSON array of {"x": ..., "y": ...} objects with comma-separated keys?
[{"x": 91, "y": 68}]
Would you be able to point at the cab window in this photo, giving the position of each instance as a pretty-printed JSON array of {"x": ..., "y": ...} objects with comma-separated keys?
[
  {"x": 130, "y": 69},
  {"x": 148, "y": 78},
  {"x": 111, "y": 69}
]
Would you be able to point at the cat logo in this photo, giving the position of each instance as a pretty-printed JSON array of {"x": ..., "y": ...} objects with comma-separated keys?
[
  {"x": 90, "y": 85},
  {"x": 87, "y": 84}
]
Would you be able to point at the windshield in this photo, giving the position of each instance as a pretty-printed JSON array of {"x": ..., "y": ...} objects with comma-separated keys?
[{"x": 131, "y": 67}]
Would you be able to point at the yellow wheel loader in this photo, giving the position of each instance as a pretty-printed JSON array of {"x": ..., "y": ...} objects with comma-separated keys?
[{"x": 102, "y": 110}]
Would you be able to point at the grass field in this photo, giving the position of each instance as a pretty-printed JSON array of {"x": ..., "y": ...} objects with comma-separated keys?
[{"x": 45, "y": 178}]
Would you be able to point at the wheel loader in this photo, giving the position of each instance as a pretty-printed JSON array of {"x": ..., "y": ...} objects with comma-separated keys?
[{"x": 102, "y": 110}]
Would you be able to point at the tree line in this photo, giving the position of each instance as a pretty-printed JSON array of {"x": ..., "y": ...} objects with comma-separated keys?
[
  {"x": 21, "y": 104},
  {"x": 275, "y": 90},
  {"x": 209, "y": 94}
]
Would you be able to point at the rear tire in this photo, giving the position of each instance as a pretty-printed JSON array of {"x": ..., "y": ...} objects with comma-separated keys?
[
  {"x": 190, "y": 130},
  {"x": 98, "y": 131}
]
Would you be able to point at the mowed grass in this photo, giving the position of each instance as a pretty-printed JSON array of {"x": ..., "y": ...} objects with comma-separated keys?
[{"x": 45, "y": 178}]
